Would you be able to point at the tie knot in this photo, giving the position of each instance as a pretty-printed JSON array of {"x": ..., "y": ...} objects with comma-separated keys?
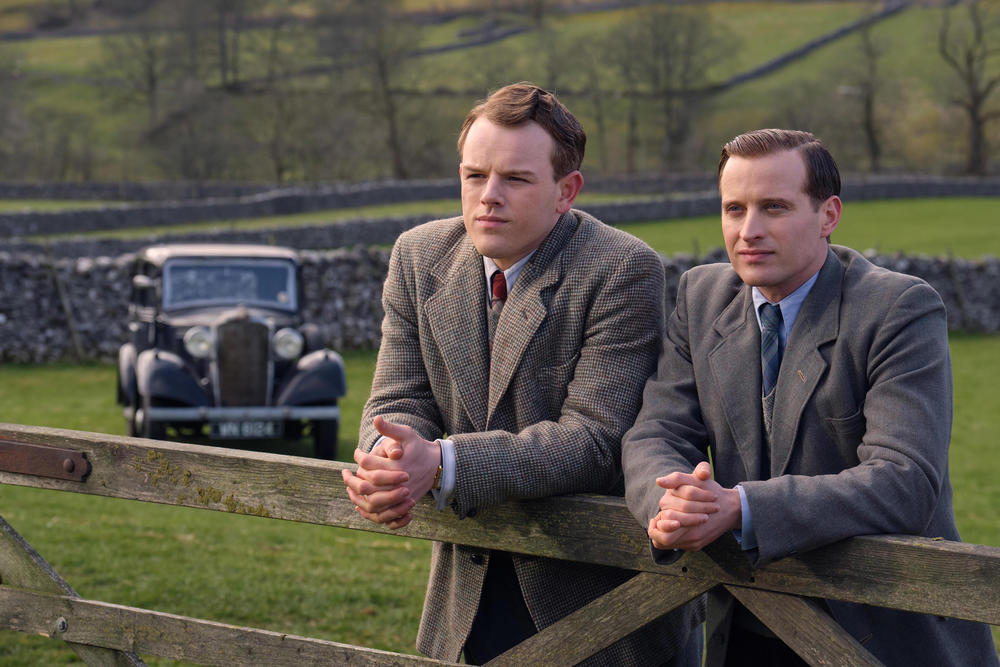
[
  {"x": 498, "y": 286},
  {"x": 770, "y": 317}
]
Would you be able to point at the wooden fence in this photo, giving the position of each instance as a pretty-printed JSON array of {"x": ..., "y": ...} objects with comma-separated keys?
[{"x": 910, "y": 573}]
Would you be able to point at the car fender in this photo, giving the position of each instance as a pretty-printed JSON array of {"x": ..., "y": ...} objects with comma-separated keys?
[
  {"x": 163, "y": 375},
  {"x": 126, "y": 375},
  {"x": 319, "y": 379}
]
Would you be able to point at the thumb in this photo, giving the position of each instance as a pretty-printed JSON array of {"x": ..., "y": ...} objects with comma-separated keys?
[
  {"x": 703, "y": 471},
  {"x": 395, "y": 434}
]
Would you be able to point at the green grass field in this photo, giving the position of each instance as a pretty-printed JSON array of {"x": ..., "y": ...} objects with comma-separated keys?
[
  {"x": 331, "y": 583},
  {"x": 963, "y": 226},
  {"x": 367, "y": 589}
]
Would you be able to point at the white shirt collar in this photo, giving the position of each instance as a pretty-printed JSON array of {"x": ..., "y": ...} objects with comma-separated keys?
[{"x": 510, "y": 275}]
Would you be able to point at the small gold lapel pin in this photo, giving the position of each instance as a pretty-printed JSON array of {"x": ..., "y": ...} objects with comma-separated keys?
[{"x": 802, "y": 376}]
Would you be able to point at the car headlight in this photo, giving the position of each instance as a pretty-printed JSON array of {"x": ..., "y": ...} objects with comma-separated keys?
[
  {"x": 287, "y": 344},
  {"x": 198, "y": 342}
]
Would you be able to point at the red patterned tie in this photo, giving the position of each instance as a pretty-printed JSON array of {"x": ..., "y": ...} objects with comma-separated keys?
[{"x": 498, "y": 288}]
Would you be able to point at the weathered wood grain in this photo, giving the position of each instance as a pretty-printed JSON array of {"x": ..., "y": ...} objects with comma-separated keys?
[
  {"x": 23, "y": 567},
  {"x": 640, "y": 600},
  {"x": 804, "y": 627},
  {"x": 910, "y": 573},
  {"x": 178, "y": 637}
]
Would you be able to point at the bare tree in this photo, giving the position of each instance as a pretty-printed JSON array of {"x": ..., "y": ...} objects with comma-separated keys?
[
  {"x": 665, "y": 53},
  {"x": 972, "y": 51},
  {"x": 15, "y": 125},
  {"x": 590, "y": 57},
  {"x": 229, "y": 18},
  {"x": 139, "y": 60},
  {"x": 864, "y": 86},
  {"x": 283, "y": 134},
  {"x": 376, "y": 39}
]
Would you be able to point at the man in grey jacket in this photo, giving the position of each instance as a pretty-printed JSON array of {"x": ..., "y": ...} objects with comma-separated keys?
[
  {"x": 515, "y": 345},
  {"x": 819, "y": 385}
]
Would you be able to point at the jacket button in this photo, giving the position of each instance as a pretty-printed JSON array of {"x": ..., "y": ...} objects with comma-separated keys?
[{"x": 477, "y": 559}]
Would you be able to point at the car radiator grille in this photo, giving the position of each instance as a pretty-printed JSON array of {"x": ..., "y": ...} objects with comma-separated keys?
[{"x": 243, "y": 362}]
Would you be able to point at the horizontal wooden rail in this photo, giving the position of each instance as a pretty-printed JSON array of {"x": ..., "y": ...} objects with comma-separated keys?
[
  {"x": 909, "y": 573},
  {"x": 111, "y": 626}
]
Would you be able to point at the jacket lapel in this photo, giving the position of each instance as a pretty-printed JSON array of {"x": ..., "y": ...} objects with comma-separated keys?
[
  {"x": 733, "y": 374},
  {"x": 818, "y": 322},
  {"x": 526, "y": 308},
  {"x": 456, "y": 314}
]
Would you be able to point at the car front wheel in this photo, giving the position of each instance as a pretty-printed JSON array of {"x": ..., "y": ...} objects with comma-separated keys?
[
  {"x": 153, "y": 430},
  {"x": 324, "y": 433}
]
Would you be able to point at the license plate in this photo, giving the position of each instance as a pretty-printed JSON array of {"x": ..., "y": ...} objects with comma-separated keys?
[{"x": 246, "y": 430}]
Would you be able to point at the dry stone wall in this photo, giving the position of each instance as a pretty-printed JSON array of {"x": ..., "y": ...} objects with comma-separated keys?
[{"x": 63, "y": 309}]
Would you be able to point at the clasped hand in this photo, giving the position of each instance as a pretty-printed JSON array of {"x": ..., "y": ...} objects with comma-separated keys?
[
  {"x": 694, "y": 510},
  {"x": 393, "y": 476}
]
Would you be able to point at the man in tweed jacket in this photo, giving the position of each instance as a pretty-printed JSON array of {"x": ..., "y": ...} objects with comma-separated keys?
[{"x": 537, "y": 411}]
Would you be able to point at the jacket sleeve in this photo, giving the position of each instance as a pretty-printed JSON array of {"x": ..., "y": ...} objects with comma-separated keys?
[
  {"x": 668, "y": 434},
  {"x": 581, "y": 450},
  {"x": 401, "y": 391}
]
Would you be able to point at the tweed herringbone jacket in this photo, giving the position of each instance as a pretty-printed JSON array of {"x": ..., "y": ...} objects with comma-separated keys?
[{"x": 543, "y": 415}]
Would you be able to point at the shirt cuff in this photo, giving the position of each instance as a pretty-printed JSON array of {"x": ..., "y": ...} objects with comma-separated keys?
[
  {"x": 443, "y": 495},
  {"x": 745, "y": 535}
]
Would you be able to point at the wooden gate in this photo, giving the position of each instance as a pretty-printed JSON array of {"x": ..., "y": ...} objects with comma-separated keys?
[{"x": 910, "y": 573}]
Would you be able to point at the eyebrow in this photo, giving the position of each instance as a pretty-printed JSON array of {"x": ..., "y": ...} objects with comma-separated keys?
[{"x": 503, "y": 172}]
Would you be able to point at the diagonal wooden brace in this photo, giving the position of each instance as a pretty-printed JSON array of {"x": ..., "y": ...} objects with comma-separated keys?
[
  {"x": 804, "y": 627},
  {"x": 22, "y": 567},
  {"x": 616, "y": 614}
]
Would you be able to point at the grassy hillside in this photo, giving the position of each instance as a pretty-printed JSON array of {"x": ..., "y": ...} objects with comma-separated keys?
[{"x": 75, "y": 77}]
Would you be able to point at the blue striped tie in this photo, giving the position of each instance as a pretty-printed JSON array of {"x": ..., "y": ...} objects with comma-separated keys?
[{"x": 770, "y": 345}]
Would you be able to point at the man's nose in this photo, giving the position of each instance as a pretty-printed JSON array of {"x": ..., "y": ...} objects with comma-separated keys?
[
  {"x": 493, "y": 191},
  {"x": 753, "y": 225}
]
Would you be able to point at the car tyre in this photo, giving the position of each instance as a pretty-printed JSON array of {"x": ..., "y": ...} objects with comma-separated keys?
[
  {"x": 151, "y": 429},
  {"x": 132, "y": 423},
  {"x": 325, "y": 432}
]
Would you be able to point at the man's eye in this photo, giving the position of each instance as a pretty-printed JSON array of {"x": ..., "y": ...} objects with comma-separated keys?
[
  {"x": 469, "y": 177},
  {"x": 733, "y": 209},
  {"x": 774, "y": 206}
]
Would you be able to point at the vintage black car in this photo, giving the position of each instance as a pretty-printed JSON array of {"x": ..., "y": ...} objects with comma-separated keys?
[{"x": 217, "y": 343}]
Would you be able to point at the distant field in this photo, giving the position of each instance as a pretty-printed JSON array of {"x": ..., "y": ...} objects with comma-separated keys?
[
  {"x": 963, "y": 226},
  {"x": 21, "y": 205},
  {"x": 433, "y": 208},
  {"x": 966, "y": 227}
]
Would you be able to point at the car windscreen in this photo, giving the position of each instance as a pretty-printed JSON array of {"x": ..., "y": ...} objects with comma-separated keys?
[{"x": 195, "y": 282}]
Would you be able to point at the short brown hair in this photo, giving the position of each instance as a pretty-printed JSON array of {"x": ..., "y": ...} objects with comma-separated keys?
[
  {"x": 822, "y": 175},
  {"x": 523, "y": 102}
]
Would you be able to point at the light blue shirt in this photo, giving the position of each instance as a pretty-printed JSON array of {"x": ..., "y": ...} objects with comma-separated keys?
[{"x": 790, "y": 307}]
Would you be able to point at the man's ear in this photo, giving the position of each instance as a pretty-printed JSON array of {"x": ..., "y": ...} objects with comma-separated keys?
[
  {"x": 830, "y": 210},
  {"x": 569, "y": 187}
]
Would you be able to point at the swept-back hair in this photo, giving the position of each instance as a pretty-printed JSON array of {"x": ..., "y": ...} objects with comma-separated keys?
[
  {"x": 522, "y": 102},
  {"x": 822, "y": 175}
]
